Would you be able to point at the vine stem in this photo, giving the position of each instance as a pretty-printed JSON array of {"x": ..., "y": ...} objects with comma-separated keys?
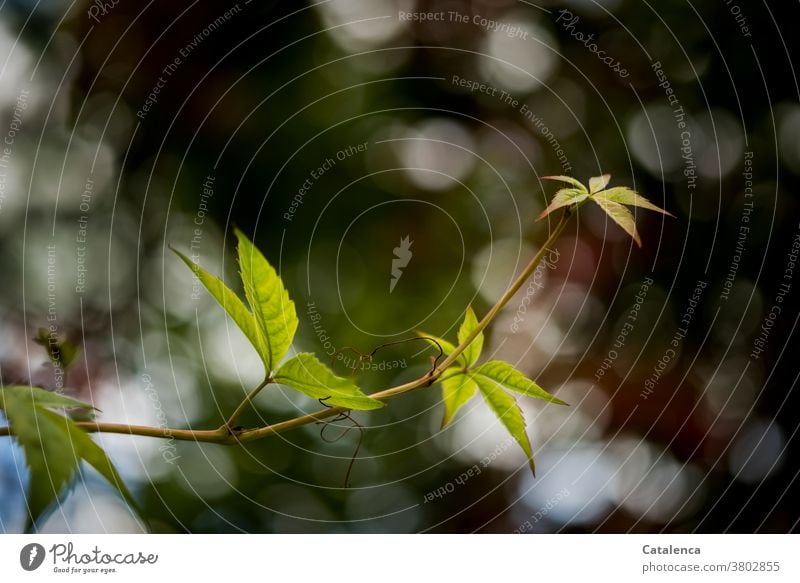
[
  {"x": 227, "y": 435},
  {"x": 228, "y": 426}
]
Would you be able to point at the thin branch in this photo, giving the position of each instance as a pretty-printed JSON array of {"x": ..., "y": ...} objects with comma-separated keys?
[
  {"x": 227, "y": 435},
  {"x": 243, "y": 405}
]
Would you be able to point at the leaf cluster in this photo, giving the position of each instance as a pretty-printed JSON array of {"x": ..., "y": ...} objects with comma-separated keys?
[
  {"x": 611, "y": 200},
  {"x": 492, "y": 379}
]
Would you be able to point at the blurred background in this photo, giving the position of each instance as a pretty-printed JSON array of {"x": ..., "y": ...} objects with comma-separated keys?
[{"x": 331, "y": 131}]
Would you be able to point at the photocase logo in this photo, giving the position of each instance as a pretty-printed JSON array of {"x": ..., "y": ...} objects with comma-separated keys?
[
  {"x": 31, "y": 556},
  {"x": 402, "y": 255}
]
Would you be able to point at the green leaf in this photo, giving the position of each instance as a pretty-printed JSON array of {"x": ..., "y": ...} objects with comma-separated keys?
[
  {"x": 509, "y": 413},
  {"x": 569, "y": 180},
  {"x": 510, "y": 378},
  {"x": 624, "y": 195},
  {"x": 305, "y": 373},
  {"x": 598, "y": 183},
  {"x": 60, "y": 351},
  {"x": 42, "y": 441},
  {"x": 447, "y": 346},
  {"x": 562, "y": 198},
  {"x": 269, "y": 300},
  {"x": 620, "y": 215},
  {"x": 93, "y": 454},
  {"x": 50, "y": 399},
  {"x": 53, "y": 445},
  {"x": 232, "y": 305},
  {"x": 457, "y": 389},
  {"x": 473, "y": 351}
]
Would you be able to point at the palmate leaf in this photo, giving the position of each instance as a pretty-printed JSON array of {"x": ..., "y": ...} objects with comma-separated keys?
[
  {"x": 509, "y": 413},
  {"x": 457, "y": 389},
  {"x": 507, "y": 376},
  {"x": 305, "y": 373},
  {"x": 53, "y": 445},
  {"x": 610, "y": 200},
  {"x": 473, "y": 351},
  {"x": 273, "y": 308}
]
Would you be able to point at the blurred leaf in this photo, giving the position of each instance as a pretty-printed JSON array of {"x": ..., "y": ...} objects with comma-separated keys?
[
  {"x": 598, "y": 183},
  {"x": 305, "y": 373},
  {"x": 87, "y": 450},
  {"x": 562, "y": 198},
  {"x": 60, "y": 351},
  {"x": 473, "y": 351},
  {"x": 53, "y": 445},
  {"x": 620, "y": 215},
  {"x": 232, "y": 305},
  {"x": 624, "y": 195},
  {"x": 569, "y": 180},
  {"x": 457, "y": 389},
  {"x": 269, "y": 300},
  {"x": 50, "y": 399},
  {"x": 510, "y": 378},
  {"x": 509, "y": 413}
]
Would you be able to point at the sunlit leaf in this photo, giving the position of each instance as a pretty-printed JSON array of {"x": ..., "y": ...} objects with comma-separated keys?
[
  {"x": 620, "y": 215},
  {"x": 562, "y": 198},
  {"x": 446, "y": 345},
  {"x": 457, "y": 389},
  {"x": 509, "y": 413},
  {"x": 232, "y": 305},
  {"x": 568, "y": 180},
  {"x": 598, "y": 183},
  {"x": 510, "y": 378},
  {"x": 473, "y": 351},
  {"x": 624, "y": 195},
  {"x": 269, "y": 300},
  {"x": 305, "y": 373}
]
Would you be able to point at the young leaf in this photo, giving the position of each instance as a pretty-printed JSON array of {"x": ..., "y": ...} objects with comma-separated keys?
[
  {"x": 507, "y": 376},
  {"x": 562, "y": 198},
  {"x": 273, "y": 309},
  {"x": 232, "y": 305},
  {"x": 305, "y": 373},
  {"x": 624, "y": 195},
  {"x": 568, "y": 180},
  {"x": 474, "y": 349},
  {"x": 447, "y": 346},
  {"x": 509, "y": 413},
  {"x": 620, "y": 215},
  {"x": 457, "y": 389},
  {"x": 598, "y": 183},
  {"x": 53, "y": 445}
]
